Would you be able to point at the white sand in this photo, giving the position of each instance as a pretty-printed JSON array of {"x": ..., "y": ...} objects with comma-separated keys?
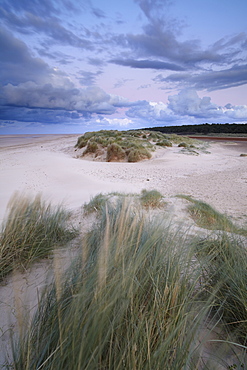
[{"x": 48, "y": 165}]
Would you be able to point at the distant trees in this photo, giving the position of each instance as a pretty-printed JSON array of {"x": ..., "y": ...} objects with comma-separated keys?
[{"x": 204, "y": 129}]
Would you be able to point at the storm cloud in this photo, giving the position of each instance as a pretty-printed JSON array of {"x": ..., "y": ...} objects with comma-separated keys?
[
  {"x": 147, "y": 64},
  {"x": 61, "y": 60}
]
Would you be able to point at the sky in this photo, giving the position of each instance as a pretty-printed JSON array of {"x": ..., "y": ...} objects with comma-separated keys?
[{"x": 71, "y": 66}]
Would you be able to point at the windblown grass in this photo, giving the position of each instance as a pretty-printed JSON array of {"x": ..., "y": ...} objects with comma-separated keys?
[
  {"x": 96, "y": 204},
  {"x": 32, "y": 228},
  {"x": 207, "y": 217},
  {"x": 128, "y": 303},
  {"x": 137, "y": 297},
  {"x": 224, "y": 262},
  {"x": 147, "y": 199}
]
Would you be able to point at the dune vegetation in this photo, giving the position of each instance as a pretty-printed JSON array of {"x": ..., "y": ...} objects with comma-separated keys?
[
  {"x": 30, "y": 232},
  {"x": 141, "y": 295},
  {"x": 127, "y": 146},
  {"x": 207, "y": 217}
]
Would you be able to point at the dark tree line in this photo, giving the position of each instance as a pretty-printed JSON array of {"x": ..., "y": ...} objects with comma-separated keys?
[{"x": 204, "y": 129}]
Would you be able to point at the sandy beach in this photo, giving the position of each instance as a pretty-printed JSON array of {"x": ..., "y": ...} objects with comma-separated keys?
[{"x": 47, "y": 164}]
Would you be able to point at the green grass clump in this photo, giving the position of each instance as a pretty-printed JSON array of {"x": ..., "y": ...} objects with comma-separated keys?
[
  {"x": 183, "y": 145},
  {"x": 96, "y": 203},
  {"x": 132, "y": 145},
  {"x": 81, "y": 142},
  {"x": 136, "y": 155},
  {"x": 126, "y": 303},
  {"x": 115, "y": 153},
  {"x": 151, "y": 199},
  {"x": 207, "y": 217},
  {"x": 224, "y": 261},
  {"x": 164, "y": 143},
  {"x": 92, "y": 147},
  {"x": 30, "y": 231}
]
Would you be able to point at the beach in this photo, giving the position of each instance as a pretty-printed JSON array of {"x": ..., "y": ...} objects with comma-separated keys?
[{"x": 48, "y": 164}]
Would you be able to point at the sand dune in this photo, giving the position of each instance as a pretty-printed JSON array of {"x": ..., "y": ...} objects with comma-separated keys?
[{"x": 47, "y": 164}]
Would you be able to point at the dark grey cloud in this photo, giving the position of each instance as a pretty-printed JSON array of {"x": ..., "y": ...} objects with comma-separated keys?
[
  {"x": 88, "y": 78},
  {"x": 210, "y": 80},
  {"x": 58, "y": 56},
  {"x": 30, "y": 95},
  {"x": 159, "y": 40},
  {"x": 98, "y": 13},
  {"x": 163, "y": 44},
  {"x": 31, "y": 88},
  {"x": 17, "y": 64},
  {"x": 50, "y": 26},
  {"x": 224, "y": 79},
  {"x": 96, "y": 62},
  {"x": 44, "y": 8},
  {"x": 49, "y": 116},
  {"x": 147, "y": 64},
  {"x": 45, "y": 17}
]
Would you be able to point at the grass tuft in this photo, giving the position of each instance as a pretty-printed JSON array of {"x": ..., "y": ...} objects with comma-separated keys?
[
  {"x": 151, "y": 199},
  {"x": 224, "y": 261},
  {"x": 32, "y": 228},
  {"x": 92, "y": 147},
  {"x": 126, "y": 303},
  {"x": 207, "y": 217},
  {"x": 164, "y": 143},
  {"x": 115, "y": 153},
  {"x": 95, "y": 204},
  {"x": 136, "y": 155}
]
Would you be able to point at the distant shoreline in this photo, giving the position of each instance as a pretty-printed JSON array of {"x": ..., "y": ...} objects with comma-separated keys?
[
  {"x": 219, "y": 138},
  {"x": 16, "y": 140}
]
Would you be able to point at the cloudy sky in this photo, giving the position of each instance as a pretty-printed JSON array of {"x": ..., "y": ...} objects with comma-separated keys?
[{"x": 70, "y": 66}]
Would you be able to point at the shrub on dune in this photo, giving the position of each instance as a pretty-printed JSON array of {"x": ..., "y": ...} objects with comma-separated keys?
[
  {"x": 164, "y": 143},
  {"x": 115, "y": 153},
  {"x": 136, "y": 155},
  {"x": 92, "y": 147},
  {"x": 81, "y": 142}
]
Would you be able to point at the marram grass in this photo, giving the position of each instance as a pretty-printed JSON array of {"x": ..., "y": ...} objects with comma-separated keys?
[
  {"x": 128, "y": 303},
  {"x": 137, "y": 297},
  {"x": 131, "y": 146},
  {"x": 207, "y": 217},
  {"x": 224, "y": 262},
  {"x": 30, "y": 231}
]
